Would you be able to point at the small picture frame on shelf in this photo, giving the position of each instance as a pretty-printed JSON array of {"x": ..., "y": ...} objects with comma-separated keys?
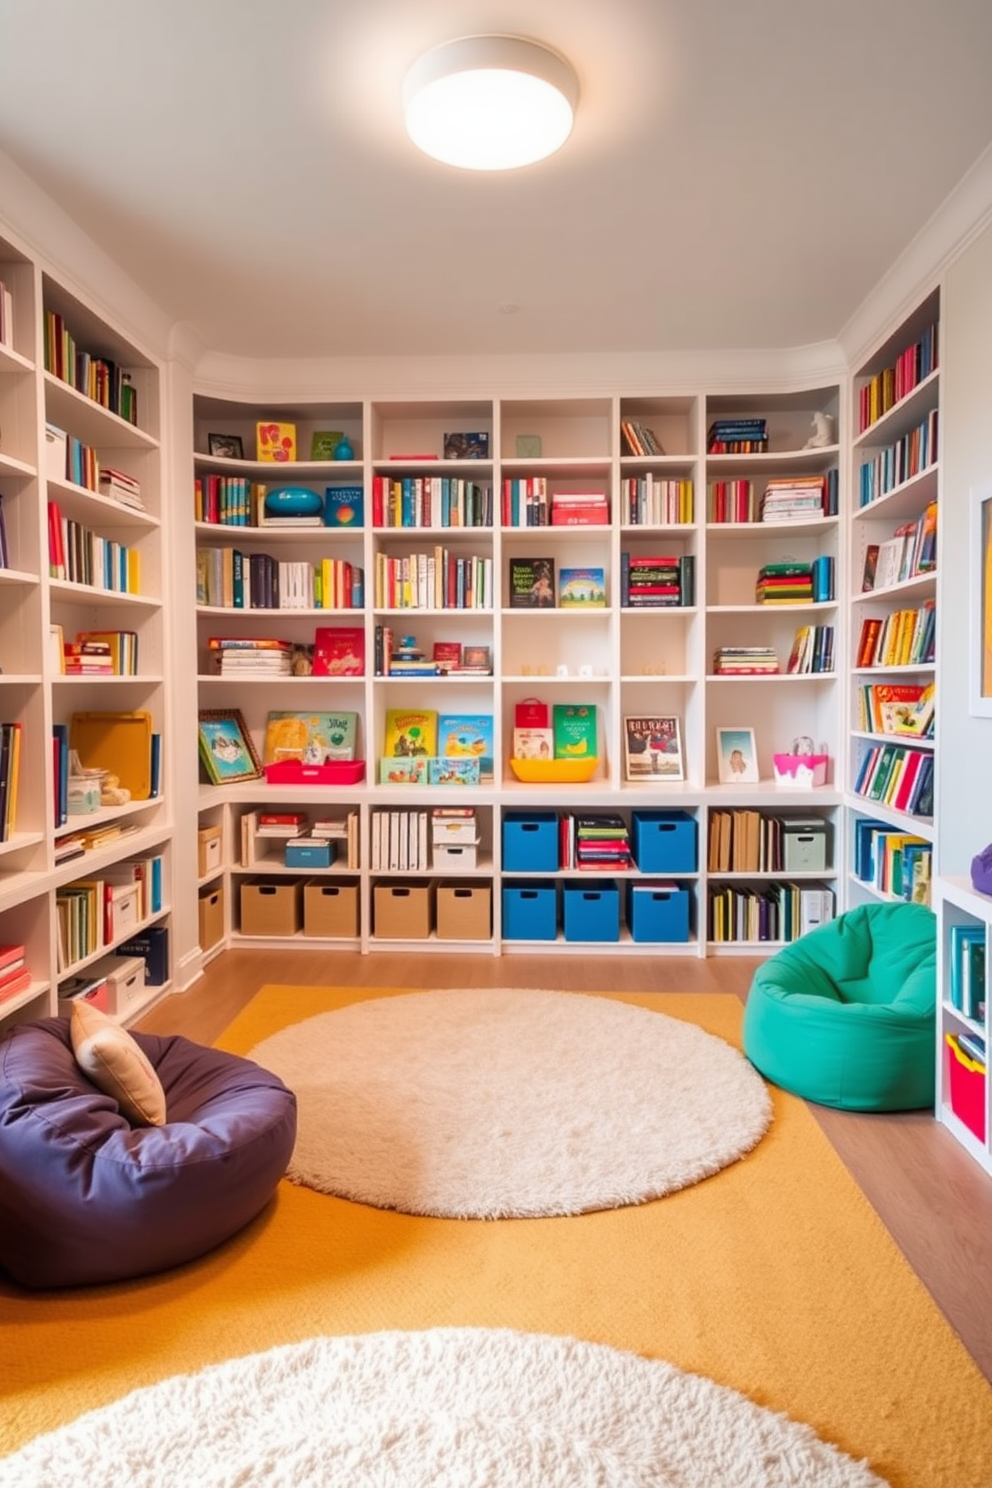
[
  {"x": 980, "y": 608},
  {"x": 323, "y": 443},
  {"x": 227, "y": 446},
  {"x": 737, "y": 756},
  {"x": 226, "y": 747}
]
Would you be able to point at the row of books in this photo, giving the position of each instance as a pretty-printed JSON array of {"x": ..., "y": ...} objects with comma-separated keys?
[
  {"x": 907, "y": 457},
  {"x": 11, "y": 735},
  {"x": 84, "y": 557},
  {"x": 15, "y": 974},
  {"x": 895, "y": 863},
  {"x": 448, "y": 658},
  {"x": 902, "y": 638},
  {"x": 897, "y": 708},
  {"x": 783, "y": 499},
  {"x": 738, "y": 914},
  {"x": 430, "y": 501},
  {"x": 744, "y": 840},
  {"x": 650, "y": 581},
  {"x": 898, "y": 776},
  {"x": 405, "y": 841},
  {"x": 737, "y": 436},
  {"x": 888, "y": 387},
  {"x": 812, "y": 651},
  {"x": 966, "y": 982},
  {"x": 85, "y": 909},
  {"x": 97, "y": 377},
  {"x": 226, "y": 578},
  {"x": 597, "y": 841},
  {"x": 6, "y": 315},
  {"x": 438, "y": 580},
  {"x": 653, "y": 501},
  {"x": 637, "y": 439},
  {"x": 911, "y": 550}
]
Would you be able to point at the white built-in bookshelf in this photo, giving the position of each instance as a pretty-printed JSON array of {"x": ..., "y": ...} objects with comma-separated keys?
[{"x": 70, "y": 913}]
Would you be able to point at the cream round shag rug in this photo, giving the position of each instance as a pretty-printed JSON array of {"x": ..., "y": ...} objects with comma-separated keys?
[
  {"x": 451, "y": 1406},
  {"x": 487, "y": 1104}
]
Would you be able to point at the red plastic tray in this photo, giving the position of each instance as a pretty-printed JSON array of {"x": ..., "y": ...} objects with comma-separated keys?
[{"x": 337, "y": 772}]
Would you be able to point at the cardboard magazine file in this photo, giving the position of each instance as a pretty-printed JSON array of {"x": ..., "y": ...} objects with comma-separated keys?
[{"x": 118, "y": 742}]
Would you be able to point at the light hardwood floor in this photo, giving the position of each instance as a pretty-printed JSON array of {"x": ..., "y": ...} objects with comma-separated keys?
[{"x": 935, "y": 1201}]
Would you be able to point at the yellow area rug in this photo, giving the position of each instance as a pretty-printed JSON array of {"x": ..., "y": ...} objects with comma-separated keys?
[{"x": 773, "y": 1277}]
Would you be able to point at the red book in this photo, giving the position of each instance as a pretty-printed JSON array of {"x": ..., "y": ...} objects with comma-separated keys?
[
  {"x": 20, "y": 982},
  {"x": 11, "y": 957},
  {"x": 339, "y": 651}
]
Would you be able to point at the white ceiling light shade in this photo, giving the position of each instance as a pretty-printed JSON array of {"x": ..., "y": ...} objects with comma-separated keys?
[{"x": 490, "y": 102}]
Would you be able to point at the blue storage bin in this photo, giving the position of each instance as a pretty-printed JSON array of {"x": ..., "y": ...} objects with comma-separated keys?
[
  {"x": 591, "y": 911},
  {"x": 664, "y": 841},
  {"x": 657, "y": 912},
  {"x": 530, "y": 911},
  {"x": 530, "y": 841}
]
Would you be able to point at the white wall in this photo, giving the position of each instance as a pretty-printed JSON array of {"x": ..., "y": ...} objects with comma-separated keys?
[{"x": 964, "y": 794}]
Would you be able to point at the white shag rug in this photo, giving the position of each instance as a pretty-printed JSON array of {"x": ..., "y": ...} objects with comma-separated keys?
[
  {"x": 446, "y": 1408},
  {"x": 488, "y": 1104}
]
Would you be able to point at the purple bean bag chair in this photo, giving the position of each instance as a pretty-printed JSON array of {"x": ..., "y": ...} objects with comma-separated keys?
[{"x": 85, "y": 1197}]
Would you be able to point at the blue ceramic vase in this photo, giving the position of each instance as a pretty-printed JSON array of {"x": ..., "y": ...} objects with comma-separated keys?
[
  {"x": 343, "y": 450},
  {"x": 293, "y": 501}
]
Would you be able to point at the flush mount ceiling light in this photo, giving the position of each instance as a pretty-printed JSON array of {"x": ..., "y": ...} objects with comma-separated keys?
[{"x": 490, "y": 102}]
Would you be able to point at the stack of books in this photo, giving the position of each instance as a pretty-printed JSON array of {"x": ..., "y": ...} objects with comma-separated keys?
[
  {"x": 795, "y": 498},
  {"x": 737, "y": 436},
  {"x": 14, "y": 973},
  {"x": 784, "y": 583},
  {"x": 240, "y": 656},
  {"x": 87, "y": 658},
  {"x": 647, "y": 581},
  {"x": 745, "y": 661},
  {"x": 579, "y": 509},
  {"x": 598, "y": 842},
  {"x": 120, "y": 486}
]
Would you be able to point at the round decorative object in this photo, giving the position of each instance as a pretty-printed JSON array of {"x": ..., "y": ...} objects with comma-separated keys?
[
  {"x": 293, "y": 501},
  {"x": 343, "y": 450}
]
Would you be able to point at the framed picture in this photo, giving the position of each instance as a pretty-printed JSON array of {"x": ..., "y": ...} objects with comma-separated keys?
[
  {"x": 228, "y": 446},
  {"x": 653, "y": 749},
  {"x": 737, "y": 756},
  {"x": 980, "y": 607},
  {"x": 226, "y": 747}
]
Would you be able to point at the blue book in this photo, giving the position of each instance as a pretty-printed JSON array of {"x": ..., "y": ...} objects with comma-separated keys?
[
  {"x": 468, "y": 736},
  {"x": 344, "y": 506}
]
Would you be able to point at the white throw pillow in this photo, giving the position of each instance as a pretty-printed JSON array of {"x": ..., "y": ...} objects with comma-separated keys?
[{"x": 112, "y": 1059}]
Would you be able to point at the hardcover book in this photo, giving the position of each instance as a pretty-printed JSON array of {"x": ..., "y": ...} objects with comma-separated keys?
[
  {"x": 275, "y": 442},
  {"x": 653, "y": 749},
  {"x": 467, "y": 736},
  {"x": 410, "y": 731},
  {"x": 582, "y": 588},
  {"x": 408, "y": 770},
  {"x": 444, "y": 771},
  {"x": 339, "y": 651},
  {"x": 574, "y": 729},
  {"x": 344, "y": 506},
  {"x": 311, "y": 738},
  {"x": 532, "y": 583}
]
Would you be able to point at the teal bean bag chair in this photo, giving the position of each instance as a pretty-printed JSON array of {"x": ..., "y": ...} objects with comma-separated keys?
[{"x": 846, "y": 1015}]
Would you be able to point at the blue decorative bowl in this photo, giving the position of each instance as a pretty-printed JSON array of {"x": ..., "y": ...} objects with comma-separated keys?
[{"x": 293, "y": 501}]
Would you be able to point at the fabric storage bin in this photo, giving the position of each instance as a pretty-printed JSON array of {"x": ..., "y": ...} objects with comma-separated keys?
[
  {"x": 664, "y": 841},
  {"x": 271, "y": 907},
  {"x": 530, "y": 911},
  {"x": 591, "y": 912},
  {"x": 464, "y": 911},
  {"x": 530, "y": 841},
  {"x": 402, "y": 911},
  {"x": 804, "y": 845},
  {"x": 330, "y": 909},
  {"x": 211, "y": 917},
  {"x": 657, "y": 912}
]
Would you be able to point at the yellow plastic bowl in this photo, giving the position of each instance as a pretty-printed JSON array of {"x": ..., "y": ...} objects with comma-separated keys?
[{"x": 554, "y": 771}]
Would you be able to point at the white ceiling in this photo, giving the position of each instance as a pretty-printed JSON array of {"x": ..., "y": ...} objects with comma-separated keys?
[{"x": 740, "y": 175}]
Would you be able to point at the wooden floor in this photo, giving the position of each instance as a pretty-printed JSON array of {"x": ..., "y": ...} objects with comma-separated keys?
[{"x": 934, "y": 1199}]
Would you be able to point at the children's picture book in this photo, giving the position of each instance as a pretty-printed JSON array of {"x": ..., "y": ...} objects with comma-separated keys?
[
  {"x": 339, "y": 651},
  {"x": 323, "y": 443},
  {"x": 275, "y": 441},
  {"x": 532, "y": 583},
  {"x": 581, "y": 588},
  {"x": 466, "y": 446},
  {"x": 311, "y": 738},
  {"x": 410, "y": 731},
  {"x": 444, "y": 771},
  {"x": 533, "y": 743},
  {"x": 344, "y": 506},
  {"x": 467, "y": 736},
  {"x": 574, "y": 730},
  {"x": 653, "y": 749},
  {"x": 411, "y": 770}
]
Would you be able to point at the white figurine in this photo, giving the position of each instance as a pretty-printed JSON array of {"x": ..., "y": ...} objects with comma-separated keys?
[{"x": 823, "y": 432}]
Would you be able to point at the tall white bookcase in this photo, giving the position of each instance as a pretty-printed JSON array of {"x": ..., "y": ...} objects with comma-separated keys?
[
  {"x": 34, "y": 692},
  {"x": 626, "y": 662}
]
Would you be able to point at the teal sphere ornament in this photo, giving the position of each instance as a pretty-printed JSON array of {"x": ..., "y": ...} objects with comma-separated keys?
[
  {"x": 343, "y": 450},
  {"x": 293, "y": 501}
]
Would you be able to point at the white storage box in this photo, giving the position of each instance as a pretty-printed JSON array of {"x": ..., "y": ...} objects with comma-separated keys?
[
  {"x": 452, "y": 856},
  {"x": 123, "y": 910},
  {"x": 453, "y": 829},
  {"x": 125, "y": 984}
]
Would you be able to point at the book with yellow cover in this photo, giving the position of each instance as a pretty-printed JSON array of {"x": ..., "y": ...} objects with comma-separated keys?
[
  {"x": 410, "y": 731},
  {"x": 275, "y": 441}
]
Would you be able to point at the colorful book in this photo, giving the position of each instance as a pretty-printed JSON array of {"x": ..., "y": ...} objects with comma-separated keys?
[
  {"x": 574, "y": 729},
  {"x": 582, "y": 588},
  {"x": 467, "y": 736},
  {"x": 312, "y": 738},
  {"x": 339, "y": 651},
  {"x": 410, "y": 731},
  {"x": 344, "y": 506},
  {"x": 275, "y": 441},
  {"x": 532, "y": 583}
]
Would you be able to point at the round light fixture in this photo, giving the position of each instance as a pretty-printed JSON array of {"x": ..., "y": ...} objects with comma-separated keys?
[{"x": 490, "y": 102}]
